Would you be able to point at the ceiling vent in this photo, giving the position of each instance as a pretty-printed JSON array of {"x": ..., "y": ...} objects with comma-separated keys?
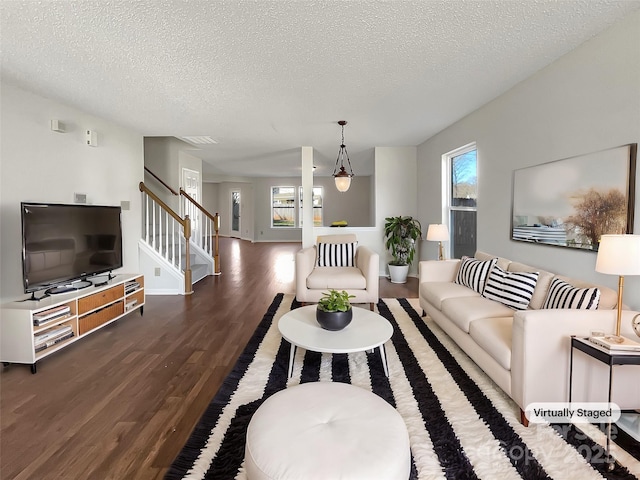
[{"x": 200, "y": 140}]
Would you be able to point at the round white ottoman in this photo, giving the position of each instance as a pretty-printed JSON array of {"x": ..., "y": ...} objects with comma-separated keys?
[{"x": 327, "y": 430}]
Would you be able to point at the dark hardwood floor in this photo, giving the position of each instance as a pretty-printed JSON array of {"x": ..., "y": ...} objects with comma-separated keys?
[{"x": 121, "y": 403}]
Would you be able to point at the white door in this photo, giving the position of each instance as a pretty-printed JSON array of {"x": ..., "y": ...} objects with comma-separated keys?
[
  {"x": 235, "y": 213},
  {"x": 191, "y": 186}
]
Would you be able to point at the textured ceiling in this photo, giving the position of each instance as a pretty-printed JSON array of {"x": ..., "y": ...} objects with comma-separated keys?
[{"x": 265, "y": 77}]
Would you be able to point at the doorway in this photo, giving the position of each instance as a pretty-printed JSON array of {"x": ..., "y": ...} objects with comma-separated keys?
[{"x": 235, "y": 213}]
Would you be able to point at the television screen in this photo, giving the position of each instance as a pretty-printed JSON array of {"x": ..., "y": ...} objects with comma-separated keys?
[{"x": 64, "y": 243}]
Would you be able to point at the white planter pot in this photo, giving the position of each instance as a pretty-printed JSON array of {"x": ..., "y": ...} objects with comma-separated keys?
[{"x": 398, "y": 273}]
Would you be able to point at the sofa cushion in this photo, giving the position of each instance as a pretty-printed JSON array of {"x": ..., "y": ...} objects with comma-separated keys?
[
  {"x": 336, "y": 254},
  {"x": 342, "y": 278},
  {"x": 463, "y": 311},
  {"x": 473, "y": 273},
  {"x": 435, "y": 292},
  {"x": 563, "y": 295},
  {"x": 542, "y": 285},
  {"x": 493, "y": 335},
  {"x": 513, "y": 289}
]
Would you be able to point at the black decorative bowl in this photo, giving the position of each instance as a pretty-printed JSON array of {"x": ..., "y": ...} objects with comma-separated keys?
[{"x": 334, "y": 321}]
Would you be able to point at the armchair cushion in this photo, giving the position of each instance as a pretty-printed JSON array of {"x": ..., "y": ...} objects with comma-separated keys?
[
  {"x": 336, "y": 254},
  {"x": 339, "y": 278}
]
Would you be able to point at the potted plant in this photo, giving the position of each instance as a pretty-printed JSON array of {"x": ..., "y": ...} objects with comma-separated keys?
[
  {"x": 334, "y": 311},
  {"x": 401, "y": 234}
]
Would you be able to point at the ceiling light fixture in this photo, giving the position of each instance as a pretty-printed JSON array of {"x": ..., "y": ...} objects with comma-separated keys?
[{"x": 342, "y": 177}]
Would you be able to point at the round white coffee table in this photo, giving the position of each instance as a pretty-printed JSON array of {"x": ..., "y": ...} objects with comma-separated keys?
[{"x": 366, "y": 331}]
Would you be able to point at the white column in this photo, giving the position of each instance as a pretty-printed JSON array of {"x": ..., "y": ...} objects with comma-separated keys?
[{"x": 307, "y": 197}]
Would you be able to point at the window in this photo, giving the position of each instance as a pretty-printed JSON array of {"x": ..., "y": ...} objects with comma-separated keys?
[
  {"x": 283, "y": 208},
  {"x": 317, "y": 207},
  {"x": 462, "y": 193}
]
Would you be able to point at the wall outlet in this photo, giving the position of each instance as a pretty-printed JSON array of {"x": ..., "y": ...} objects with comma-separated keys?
[
  {"x": 125, "y": 204},
  {"x": 157, "y": 271},
  {"x": 80, "y": 198}
]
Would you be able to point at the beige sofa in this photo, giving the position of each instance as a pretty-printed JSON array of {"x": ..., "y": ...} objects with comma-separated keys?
[
  {"x": 527, "y": 352},
  {"x": 360, "y": 280}
]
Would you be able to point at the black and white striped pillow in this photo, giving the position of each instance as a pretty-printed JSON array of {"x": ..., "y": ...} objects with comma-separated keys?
[
  {"x": 337, "y": 254},
  {"x": 563, "y": 295},
  {"x": 513, "y": 289},
  {"x": 473, "y": 273}
]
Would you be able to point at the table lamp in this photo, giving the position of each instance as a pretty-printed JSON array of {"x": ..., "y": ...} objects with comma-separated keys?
[
  {"x": 619, "y": 255},
  {"x": 438, "y": 233}
]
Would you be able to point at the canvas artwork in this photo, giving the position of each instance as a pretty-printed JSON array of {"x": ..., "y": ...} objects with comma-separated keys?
[{"x": 573, "y": 202}]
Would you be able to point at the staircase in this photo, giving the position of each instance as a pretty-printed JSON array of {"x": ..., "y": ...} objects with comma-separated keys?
[{"x": 173, "y": 254}]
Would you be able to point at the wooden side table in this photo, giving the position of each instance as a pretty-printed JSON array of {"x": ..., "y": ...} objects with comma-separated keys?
[{"x": 608, "y": 357}]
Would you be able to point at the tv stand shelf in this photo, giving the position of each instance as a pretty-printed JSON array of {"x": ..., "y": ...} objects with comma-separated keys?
[{"x": 31, "y": 330}]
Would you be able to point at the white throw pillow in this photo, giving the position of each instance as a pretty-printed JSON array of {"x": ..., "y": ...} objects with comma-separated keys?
[
  {"x": 337, "y": 254},
  {"x": 513, "y": 289},
  {"x": 564, "y": 295},
  {"x": 473, "y": 273}
]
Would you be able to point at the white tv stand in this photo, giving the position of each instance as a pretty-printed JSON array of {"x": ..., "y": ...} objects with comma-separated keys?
[{"x": 31, "y": 330}]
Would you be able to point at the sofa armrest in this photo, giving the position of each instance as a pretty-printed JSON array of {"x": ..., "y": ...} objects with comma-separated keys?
[
  {"x": 305, "y": 262},
  {"x": 368, "y": 262},
  {"x": 438, "y": 270},
  {"x": 541, "y": 348}
]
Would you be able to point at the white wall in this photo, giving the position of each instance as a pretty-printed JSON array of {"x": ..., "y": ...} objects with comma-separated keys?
[
  {"x": 40, "y": 165},
  {"x": 396, "y": 193},
  {"x": 586, "y": 101},
  {"x": 157, "y": 158},
  {"x": 210, "y": 197}
]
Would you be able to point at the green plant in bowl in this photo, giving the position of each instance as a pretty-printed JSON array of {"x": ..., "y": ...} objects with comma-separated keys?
[{"x": 335, "y": 301}]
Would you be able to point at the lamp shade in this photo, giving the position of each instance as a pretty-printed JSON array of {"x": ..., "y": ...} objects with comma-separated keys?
[
  {"x": 438, "y": 232},
  {"x": 343, "y": 182},
  {"x": 619, "y": 255}
]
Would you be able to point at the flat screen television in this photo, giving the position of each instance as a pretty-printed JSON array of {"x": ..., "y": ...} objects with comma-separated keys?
[{"x": 63, "y": 244}]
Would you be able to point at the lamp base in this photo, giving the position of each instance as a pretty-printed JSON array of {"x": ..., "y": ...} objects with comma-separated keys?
[{"x": 614, "y": 342}]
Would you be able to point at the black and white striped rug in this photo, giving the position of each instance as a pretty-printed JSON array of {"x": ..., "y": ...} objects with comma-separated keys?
[{"x": 461, "y": 425}]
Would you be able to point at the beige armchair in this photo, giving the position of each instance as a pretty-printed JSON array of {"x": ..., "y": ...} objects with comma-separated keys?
[{"x": 360, "y": 280}]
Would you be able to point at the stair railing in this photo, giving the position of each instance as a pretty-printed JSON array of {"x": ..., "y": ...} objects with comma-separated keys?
[
  {"x": 205, "y": 226},
  {"x": 162, "y": 182},
  {"x": 161, "y": 226},
  {"x": 206, "y": 231}
]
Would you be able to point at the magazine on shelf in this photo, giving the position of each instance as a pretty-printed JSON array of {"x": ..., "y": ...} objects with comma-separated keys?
[
  {"x": 53, "y": 342},
  {"x": 610, "y": 343},
  {"x": 51, "y": 315},
  {"x": 51, "y": 334}
]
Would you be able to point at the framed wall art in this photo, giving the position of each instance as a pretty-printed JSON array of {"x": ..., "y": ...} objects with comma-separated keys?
[{"x": 572, "y": 202}]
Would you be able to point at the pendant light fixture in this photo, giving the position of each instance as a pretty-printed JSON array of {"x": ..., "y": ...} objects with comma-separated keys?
[{"x": 341, "y": 176}]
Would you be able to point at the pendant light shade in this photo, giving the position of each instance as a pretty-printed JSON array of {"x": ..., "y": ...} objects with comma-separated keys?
[{"x": 340, "y": 173}]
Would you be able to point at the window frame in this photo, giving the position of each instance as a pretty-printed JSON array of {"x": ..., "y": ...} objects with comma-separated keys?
[
  {"x": 293, "y": 207},
  {"x": 447, "y": 191}
]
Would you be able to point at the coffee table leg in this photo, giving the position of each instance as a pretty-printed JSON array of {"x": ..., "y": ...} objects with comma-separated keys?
[
  {"x": 383, "y": 356},
  {"x": 292, "y": 355}
]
